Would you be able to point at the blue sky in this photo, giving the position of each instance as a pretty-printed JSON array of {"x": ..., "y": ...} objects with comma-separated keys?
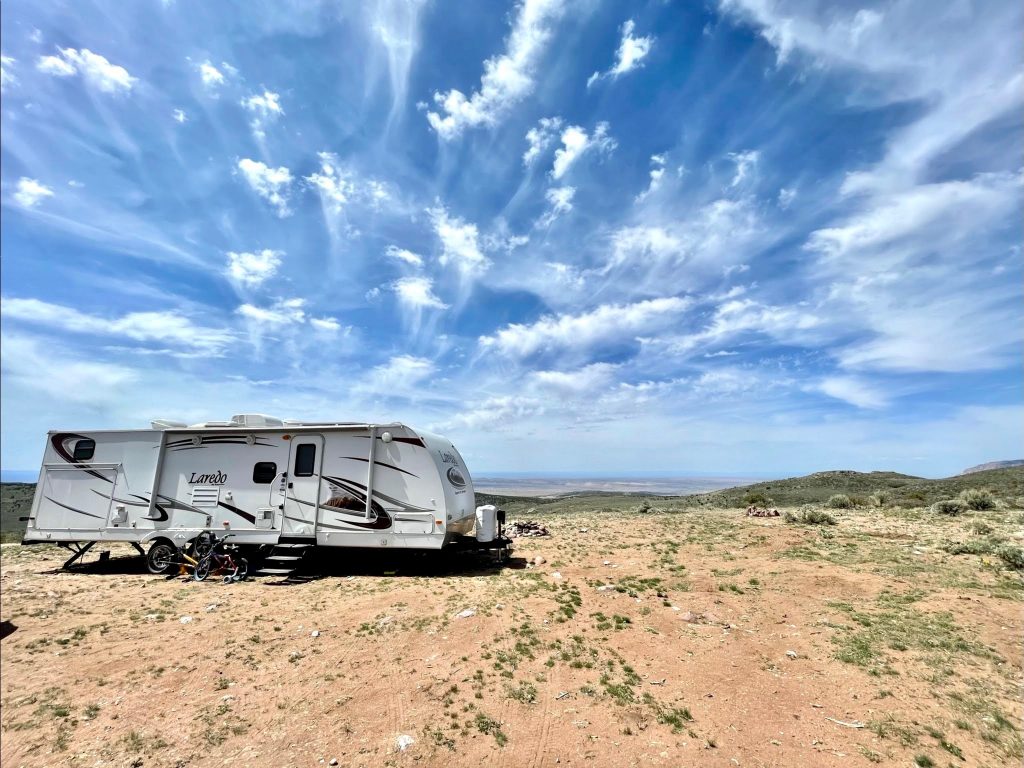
[{"x": 581, "y": 236}]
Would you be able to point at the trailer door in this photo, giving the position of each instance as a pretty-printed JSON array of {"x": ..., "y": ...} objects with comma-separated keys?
[
  {"x": 302, "y": 486},
  {"x": 72, "y": 498}
]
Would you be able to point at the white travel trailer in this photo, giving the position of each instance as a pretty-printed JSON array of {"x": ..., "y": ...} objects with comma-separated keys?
[{"x": 266, "y": 481}]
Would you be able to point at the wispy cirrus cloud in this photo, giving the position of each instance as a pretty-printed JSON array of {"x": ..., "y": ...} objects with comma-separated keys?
[
  {"x": 507, "y": 78},
  {"x": 272, "y": 184},
  {"x": 629, "y": 56}
]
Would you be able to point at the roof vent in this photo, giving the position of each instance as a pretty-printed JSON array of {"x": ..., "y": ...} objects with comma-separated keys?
[
  {"x": 167, "y": 424},
  {"x": 255, "y": 420}
]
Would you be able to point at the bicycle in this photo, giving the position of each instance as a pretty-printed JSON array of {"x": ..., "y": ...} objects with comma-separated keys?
[{"x": 211, "y": 556}]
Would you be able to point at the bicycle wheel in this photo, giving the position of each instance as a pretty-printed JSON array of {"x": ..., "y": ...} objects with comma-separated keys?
[
  {"x": 160, "y": 557},
  {"x": 243, "y": 569},
  {"x": 202, "y": 569}
]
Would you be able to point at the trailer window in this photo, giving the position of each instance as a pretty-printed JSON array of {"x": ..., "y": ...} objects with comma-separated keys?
[
  {"x": 84, "y": 449},
  {"x": 305, "y": 460},
  {"x": 264, "y": 472}
]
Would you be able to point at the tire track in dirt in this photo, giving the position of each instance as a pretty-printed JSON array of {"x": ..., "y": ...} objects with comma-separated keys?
[{"x": 547, "y": 697}]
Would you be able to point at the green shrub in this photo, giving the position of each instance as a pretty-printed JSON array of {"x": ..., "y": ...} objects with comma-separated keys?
[
  {"x": 879, "y": 498},
  {"x": 972, "y": 547},
  {"x": 980, "y": 527},
  {"x": 978, "y": 499},
  {"x": 839, "y": 501},
  {"x": 810, "y": 517},
  {"x": 948, "y": 507},
  {"x": 756, "y": 499},
  {"x": 1012, "y": 556}
]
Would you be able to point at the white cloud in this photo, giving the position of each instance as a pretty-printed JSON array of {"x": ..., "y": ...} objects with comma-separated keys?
[
  {"x": 326, "y": 324},
  {"x": 266, "y": 107},
  {"x": 252, "y": 269},
  {"x": 560, "y": 200},
  {"x": 540, "y": 137},
  {"x": 589, "y": 378},
  {"x": 608, "y": 323},
  {"x": 576, "y": 142},
  {"x": 338, "y": 186},
  {"x": 417, "y": 293},
  {"x": 6, "y": 74},
  {"x": 211, "y": 76},
  {"x": 507, "y": 79},
  {"x": 403, "y": 255},
  {"x": 96, "y": 70},
  {"x": 30, "y": 192},
  {"x": 854, "y": 391},
  {"x": 745, "y": 162},
  {"x": 786, "y": 197},
  {"x": 460, "y": 243},
  {"x": 396, "y": 377},
  {"x": 179, "y": 116},
  {"x": 272, "y": 184},
  {"x": 631, "y": 52},
  {"x": 497, "y": 412},
  {"x": 657, "y": 173},
  {"x": 164, "y": 327},
  {"x": 281, "y": 313}
]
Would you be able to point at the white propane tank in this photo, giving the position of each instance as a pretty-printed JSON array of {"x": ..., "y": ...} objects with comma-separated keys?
[{"x": 486, "y": 522}]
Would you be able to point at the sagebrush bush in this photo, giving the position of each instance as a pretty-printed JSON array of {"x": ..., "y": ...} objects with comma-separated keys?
[
  {"x": 839, "y": 501},
  {"x": 980, "y": 527},
  {"x": 948, "y": 507},
  {"x": 756, "y": 499},
  {"x": 810, "y": 517},
  {"x": 978, "y": 499},
  {"x": 972, "y": 547},
  {"x": 878, "y": 499},
  {"x": 1012, "y": 556}
]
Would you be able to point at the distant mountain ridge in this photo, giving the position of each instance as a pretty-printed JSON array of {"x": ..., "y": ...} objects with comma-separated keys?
[{"x": 994, "y": 465}]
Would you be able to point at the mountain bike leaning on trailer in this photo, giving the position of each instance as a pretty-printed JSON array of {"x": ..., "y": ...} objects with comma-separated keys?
[{"x": 206, "y": 554}]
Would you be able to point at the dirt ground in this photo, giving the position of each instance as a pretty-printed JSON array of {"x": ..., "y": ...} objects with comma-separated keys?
[{"x": 692, "y": 638}]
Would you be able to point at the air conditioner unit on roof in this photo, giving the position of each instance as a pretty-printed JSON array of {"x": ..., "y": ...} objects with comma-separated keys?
[{"x": 255, "y": 420}]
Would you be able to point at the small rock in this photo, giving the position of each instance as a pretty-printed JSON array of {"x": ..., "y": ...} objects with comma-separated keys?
[
  {"x": 465, "y": 614},
  {"x": 791, "y": 654},
  {"x": 185, "y": 619},
  {"x": 403, "y": 742},
  {"x": 227, "y": 699},
  {"x": 212, "y": 607},
  {"x": 556, "y": 575},
  {"x": 606, "y": 562},
  {"x": 539, "y": 560},
  {"x": 315, "y": 633},
  {"x": 334, "y": 761}
]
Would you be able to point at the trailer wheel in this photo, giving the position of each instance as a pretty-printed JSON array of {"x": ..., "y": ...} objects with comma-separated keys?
[{"x": 160, "y": 557}]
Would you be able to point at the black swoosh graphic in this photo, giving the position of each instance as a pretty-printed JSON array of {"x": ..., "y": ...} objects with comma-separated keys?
[
  {"x": 58, "y": 440},
  {"x": 379, "y": 464},
  {"x": 79, "y": 511},
  {"x": 241, "y": 513}
]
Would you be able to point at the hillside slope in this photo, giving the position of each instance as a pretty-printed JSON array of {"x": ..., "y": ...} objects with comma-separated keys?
[{"x": 994, "y": 465}]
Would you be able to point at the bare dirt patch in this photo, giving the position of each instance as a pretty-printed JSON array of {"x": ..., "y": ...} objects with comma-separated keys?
[{"x": 697, "y": 637}]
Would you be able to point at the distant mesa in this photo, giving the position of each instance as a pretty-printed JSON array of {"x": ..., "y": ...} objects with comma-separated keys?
[{"x": 994, "y": 465}]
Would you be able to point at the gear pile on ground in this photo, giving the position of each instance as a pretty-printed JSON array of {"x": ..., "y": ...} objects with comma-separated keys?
[
  {"x": 761, "y": 512},
  {"x": 522, "y": 528}
]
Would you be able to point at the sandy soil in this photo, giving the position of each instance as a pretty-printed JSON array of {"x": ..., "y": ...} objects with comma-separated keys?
[{"x": 752, "y": 642}]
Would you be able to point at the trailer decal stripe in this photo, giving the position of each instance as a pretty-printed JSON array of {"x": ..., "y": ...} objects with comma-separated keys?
[
  {"x": 79, "y": 511},
  {"x": 143, "y": 503},
  {"x": 408, "y": 440},
  {"x": 58, "y": 442},
  {"x": 404, "y": 504},
  {"x": 244, "y": 515},
  {"x": 380, "y": 464}
]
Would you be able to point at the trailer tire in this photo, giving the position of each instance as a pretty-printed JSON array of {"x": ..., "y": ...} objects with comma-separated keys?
[{"x": 160, "y": 557}]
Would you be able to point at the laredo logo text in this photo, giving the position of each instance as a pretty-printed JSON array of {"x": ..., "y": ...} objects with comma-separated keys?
[{"x": 212, "y": 478}]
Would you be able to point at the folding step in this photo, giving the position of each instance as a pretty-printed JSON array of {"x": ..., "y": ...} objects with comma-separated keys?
[
  {"x": 283, "y": 557},
  {"x": 276, "y": 571}
]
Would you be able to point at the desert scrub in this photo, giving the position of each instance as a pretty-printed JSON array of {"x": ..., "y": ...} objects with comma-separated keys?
[
  {"x": 810, "y": 517},
  {"x": 1012, "y": 556},
  {"x": 839, "y": 501},
  {"x": 756, "y": 499},
  {"x": 951, "y": 507},
  {"x": 978, "y": 499},
  {"x": 879, "y": 499}
]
